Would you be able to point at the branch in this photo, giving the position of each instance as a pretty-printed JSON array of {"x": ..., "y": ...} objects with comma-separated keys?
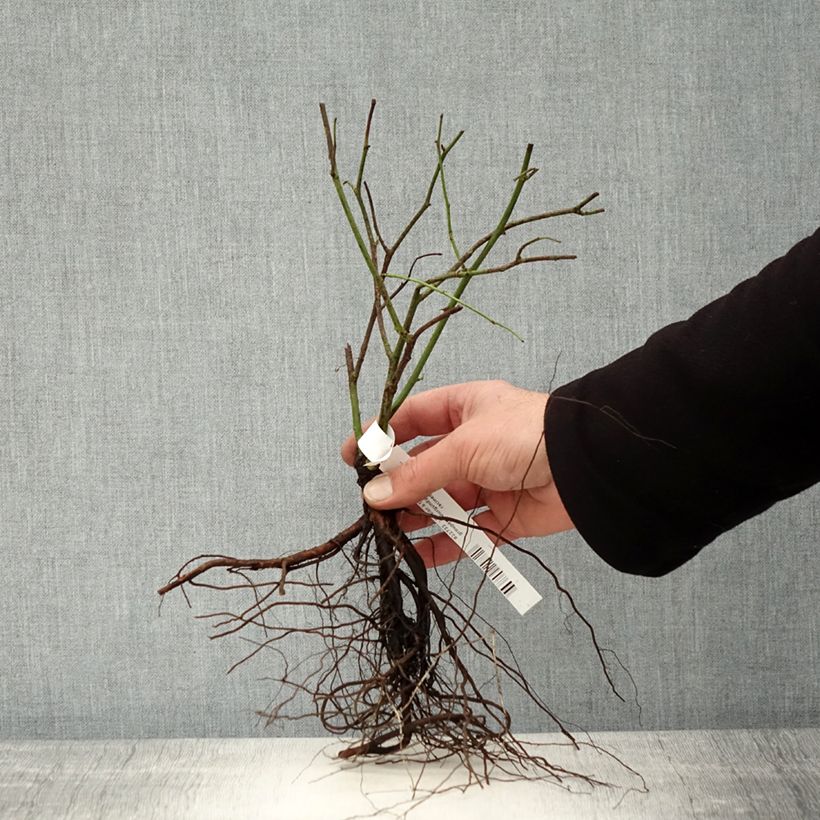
[
  {"x": 576, "y": 209},
  {"x": 370, "y": 238},
  {"x": 519, "y": 260},
  {"x": 411, "y": 343},
  {"x": 444, "y": 191},
  {"x": 365, "y": 147},
  {"x": 410, "y": 273},
  {"x": 424, "y": 205},
  {"x": 373, "y": 217},
  {"x": 435, "y": 320},
  {"x": 533, "y": 241},
  {"x": 368, "y": 331},
  {"x": 377, "y": 302}
]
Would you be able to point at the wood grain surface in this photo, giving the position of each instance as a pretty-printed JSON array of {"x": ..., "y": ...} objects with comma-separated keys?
[{"x": 767, "y": 774}]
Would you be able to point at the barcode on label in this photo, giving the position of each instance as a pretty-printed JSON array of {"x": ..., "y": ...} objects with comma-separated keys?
[{"x": 495, "y": 573}]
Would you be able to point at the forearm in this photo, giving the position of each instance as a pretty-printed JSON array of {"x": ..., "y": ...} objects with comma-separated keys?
[{"x": 709, "y": 423}]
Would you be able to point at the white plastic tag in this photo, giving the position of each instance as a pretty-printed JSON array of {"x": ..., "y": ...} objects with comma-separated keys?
[{"x": 380, "y": 449}]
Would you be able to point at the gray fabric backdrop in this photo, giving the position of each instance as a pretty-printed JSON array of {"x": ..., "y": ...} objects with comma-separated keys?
[{"x": 177, "y": 283}]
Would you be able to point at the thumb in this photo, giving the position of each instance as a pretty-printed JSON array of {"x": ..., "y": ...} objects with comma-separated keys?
[{"x": 424, "y": 473}]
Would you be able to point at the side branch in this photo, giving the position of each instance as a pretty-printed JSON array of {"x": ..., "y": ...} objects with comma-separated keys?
[
  {"x": 519, "y": 260},
  {"x": 424, "y": 205},
  {"x": 515, "y": 223}
]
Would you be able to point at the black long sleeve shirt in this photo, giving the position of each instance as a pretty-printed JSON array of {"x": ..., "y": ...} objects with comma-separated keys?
[{"x": 710, "y": 422}]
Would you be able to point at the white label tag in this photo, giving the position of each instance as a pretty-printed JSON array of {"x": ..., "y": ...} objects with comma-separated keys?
[{"x": 380, "y": 448}]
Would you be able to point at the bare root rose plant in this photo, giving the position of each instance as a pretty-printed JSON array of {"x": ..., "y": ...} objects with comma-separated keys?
[{"x": 398, "y": 651}]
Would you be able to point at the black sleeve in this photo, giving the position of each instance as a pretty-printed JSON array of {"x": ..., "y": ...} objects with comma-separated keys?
[{"x": 710, "y": 422}]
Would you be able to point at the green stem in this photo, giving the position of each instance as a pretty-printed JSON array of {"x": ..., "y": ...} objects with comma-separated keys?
[
  {"x": 424, "y": 206},
  {"x": 370, "y": 238},
  {"x": 521, "y": 179},
  {"x": 352, "y": 379},
  {"x": 393, "y": 374},
  {"x": 355, "y": 412},
  {"x": 337, "y": 184},
  {"x": 444, "y": 190},
  {"x": 453, "y": 298},
  {"x": 366, "y": 254}
]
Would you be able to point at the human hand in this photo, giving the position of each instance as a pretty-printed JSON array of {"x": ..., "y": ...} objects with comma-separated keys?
[{"x": 488, "y": 452}]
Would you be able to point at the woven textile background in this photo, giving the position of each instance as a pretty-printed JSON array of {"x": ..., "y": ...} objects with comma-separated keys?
[{"x": 177, "y": 283}]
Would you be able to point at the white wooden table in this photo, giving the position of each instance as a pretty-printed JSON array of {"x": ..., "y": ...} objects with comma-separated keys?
[{"x": 767, "y": 774}]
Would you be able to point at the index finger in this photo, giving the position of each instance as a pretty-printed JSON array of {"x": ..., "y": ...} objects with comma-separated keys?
[{"x": 432, "y": 412}]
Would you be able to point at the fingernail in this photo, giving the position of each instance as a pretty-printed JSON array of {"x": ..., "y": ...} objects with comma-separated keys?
[{"x": 378, "y": 489}]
